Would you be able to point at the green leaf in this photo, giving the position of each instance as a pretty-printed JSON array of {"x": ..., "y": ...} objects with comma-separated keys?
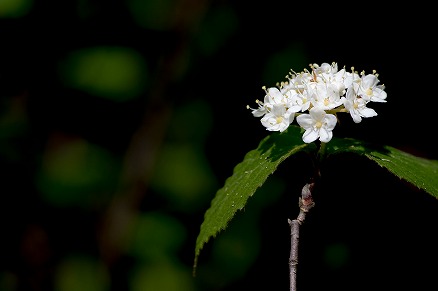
[
  {"x": 258, "y": 164},
  {"x": 420, "y": 172},
  {"x": 247, "y": 177}
]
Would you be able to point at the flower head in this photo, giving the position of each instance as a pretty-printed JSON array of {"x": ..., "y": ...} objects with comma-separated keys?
[{"x": 323, "y": 92}]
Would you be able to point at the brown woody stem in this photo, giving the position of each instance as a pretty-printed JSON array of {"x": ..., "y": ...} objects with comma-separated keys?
[{"x": 305, "y": 203}]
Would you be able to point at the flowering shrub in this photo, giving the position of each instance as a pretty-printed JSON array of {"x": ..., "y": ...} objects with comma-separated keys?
[
  {"x": 312, "y": 98},
  {"x": 322, "y": 92}
]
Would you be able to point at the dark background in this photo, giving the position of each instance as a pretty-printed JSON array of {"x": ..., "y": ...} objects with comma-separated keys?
[{"x": 119, "y": 121}]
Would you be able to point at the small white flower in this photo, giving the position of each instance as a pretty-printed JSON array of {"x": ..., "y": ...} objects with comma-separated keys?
[
  {"x": 296, "y": 101},
  {"x": 275, "y": 96},
  {"x": 343, "y": 80},
  {"x": 356, "y": 106},
  {"x": 369, "y": 90},
  {"x": 325, "y": 69},
  {"x": 325, "y": 96},
  {"x": 318, "y": 124},
  {"x": 298, "y": 93},
  {"x": 278, "y": 118}
]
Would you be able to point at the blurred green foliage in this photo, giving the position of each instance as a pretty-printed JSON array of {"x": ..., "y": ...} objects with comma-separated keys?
[
  {"x": 152, "y": 14},
  {"x": 74, "y": 172},
  {"x": 117, "y": 73},
  {"x": 15, "y": 8},
  {"x": 79, "y": 272},
  {"x": 161, "y": 275},
  {"x": 156, "y": 236}
]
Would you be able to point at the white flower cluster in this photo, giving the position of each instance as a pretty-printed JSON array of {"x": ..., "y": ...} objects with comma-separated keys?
[{"x": 322, "y": 92}]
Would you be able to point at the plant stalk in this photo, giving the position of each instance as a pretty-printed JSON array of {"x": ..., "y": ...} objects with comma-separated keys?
[{"x": 305, "y": 203}]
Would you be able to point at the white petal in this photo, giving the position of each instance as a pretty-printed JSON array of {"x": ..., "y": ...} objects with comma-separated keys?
[
  {"x": 356, "y": 116},
  {"x": 276, "y": 95},
  {"x": 309, "y": 136},
  {"x": 325, "y": 135},
  {"x": 368, "y": 112},
  {"x": 317, "y": 113},
  {"x": 278, "y": 109},
  {"x": 289, "y": 117},
  {"x": 331, "y": 121},
  {"x": 259, "y": 112},
  {"x": 379, "y": 95},
  {"x": 305, "y": 121},
  {"x": 370, "y": 81},
  {"x": 283, "y": 126}
]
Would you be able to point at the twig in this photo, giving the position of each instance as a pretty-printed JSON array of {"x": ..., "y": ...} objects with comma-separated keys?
[{"x": 305, "y": 203}]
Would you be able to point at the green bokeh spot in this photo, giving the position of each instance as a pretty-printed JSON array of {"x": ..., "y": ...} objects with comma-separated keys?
[
  {"x": 217, "y": 27},
  {"x": 236, "y": 250},
  {"x": 116, "y": 73},
  {"x": 191, "y": 122},
  {"x": 152, "y": 14},
  {"x": 76, "y": 173},
  {"x": 155, "y": 235},
  {"x": 81, "y": 273},
  {"x": 15, "y": 8},
  {"x": 164, "y": 275},
  {"x": 8, "y": 281},
  {"x": 13, "y": 129},
  {"x": 183, "y": 175}
]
